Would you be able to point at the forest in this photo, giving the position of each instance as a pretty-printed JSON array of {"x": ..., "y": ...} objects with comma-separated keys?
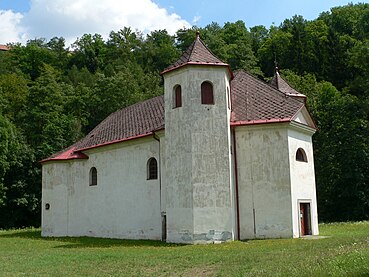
[{"x": 52, "y": 95}]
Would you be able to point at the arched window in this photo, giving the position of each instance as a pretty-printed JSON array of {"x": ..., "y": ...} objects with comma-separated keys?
[
  {"x": 207, "y": 96},
  {"x": 301, "y": 155},
  {"x": 93, "y": 176},
  {"x": 152, "y": 169},
  {"x": 177, "y": 99}
]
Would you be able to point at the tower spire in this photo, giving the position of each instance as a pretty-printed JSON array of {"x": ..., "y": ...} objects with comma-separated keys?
[
  {"x": 197, "y": 54},
  {"x": 276, "y": 69}
]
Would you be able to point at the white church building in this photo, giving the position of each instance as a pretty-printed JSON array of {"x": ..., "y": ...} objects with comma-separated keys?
[{"x": 220, "y": 156}]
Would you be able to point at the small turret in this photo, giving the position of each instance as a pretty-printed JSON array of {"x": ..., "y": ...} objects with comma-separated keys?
[{"x": 279, "y": 83}]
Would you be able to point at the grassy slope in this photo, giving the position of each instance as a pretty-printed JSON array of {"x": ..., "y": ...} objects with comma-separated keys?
[{"x": 344, "y": 252}]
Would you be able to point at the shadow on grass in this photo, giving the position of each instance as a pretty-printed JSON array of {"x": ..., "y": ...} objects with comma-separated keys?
[{"x": 87, "y": 242}]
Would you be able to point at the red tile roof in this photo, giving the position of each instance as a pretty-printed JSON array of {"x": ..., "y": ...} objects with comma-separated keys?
[
  {"x": 134, "y": 121},
  {"x": 254, "y": 101},
  {"x": 69, "y": 153},
  {"x": 4, "y": 47},
  {"x": 139, "y": 120},
  {"x": 279, "y": 83},
  {"x": 197, "y": 54}
]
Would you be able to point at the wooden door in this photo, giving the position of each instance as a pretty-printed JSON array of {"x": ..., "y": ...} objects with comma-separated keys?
[
  {"x": 305, "y": 220},
  {"x": 302, "y": 219}
]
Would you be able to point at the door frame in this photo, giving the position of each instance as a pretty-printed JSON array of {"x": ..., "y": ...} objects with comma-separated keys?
[
  {"x": 306, "y": 202},
  {"x": 163, "y": 226}
]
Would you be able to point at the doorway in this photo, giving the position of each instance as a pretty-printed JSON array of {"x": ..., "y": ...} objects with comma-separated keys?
[
  {"x": 305, "y": 219},
  {"x": 163, "y": 226}
]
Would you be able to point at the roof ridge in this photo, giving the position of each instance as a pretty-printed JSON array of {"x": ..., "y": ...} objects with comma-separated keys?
[{"x": 190, "y": 50}]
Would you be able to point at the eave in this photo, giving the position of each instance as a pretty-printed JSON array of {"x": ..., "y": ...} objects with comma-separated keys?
[{"x": 201, "y": 64}]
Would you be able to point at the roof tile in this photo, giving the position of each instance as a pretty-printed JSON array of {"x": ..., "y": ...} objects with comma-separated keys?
[
  {"x": 136, "y": 120},
  {"x": 254, "y": 100}
]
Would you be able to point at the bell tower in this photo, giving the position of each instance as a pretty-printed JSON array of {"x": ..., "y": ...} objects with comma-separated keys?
[{"x": 199, "y": 185}]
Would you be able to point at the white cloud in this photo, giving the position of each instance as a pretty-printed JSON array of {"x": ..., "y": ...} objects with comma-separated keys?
[
  {"x": 196, "y": 19},
  {"x": 73, "y": 18},
  {"x": 10, "y": 28}
]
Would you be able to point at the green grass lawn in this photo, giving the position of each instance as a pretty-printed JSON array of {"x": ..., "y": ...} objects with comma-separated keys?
[{"x": 345, "y": 252}]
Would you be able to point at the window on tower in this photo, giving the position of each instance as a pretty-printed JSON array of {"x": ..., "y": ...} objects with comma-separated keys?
[
  {"x": 207, "y": 96},
  {"x": 301, "y": 155},
  {"x": 177, "y": 97}
]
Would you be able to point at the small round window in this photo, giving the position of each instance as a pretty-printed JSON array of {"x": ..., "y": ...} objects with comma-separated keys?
[{"x": 47, "y": 206}]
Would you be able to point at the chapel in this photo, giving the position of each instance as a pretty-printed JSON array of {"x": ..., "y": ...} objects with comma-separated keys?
[{"x": 220, "y": 156}]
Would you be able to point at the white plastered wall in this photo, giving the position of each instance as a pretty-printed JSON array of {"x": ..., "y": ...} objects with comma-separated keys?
[
  {"x": 303, "y": 188},
  {"x": 198, "y": 166},
  {"x": 263, "y": 181},
  {"x": 55, "y": 179},
  {"x": 124, "y": 204}
]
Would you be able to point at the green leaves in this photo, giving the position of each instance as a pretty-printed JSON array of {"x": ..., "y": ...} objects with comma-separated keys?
[
  {"x": 47, "y": 124},
  {"x": 158, "y": 51},
  {"x": 18, "y": 193},
  {"x": 89, "y": 52}
]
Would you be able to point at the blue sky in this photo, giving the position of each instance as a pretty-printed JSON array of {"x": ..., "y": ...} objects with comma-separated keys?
[
  {"x": 15, "y": 5},
  {"x": 27, "y": 19},
  {"x": 263, "y": 12}
]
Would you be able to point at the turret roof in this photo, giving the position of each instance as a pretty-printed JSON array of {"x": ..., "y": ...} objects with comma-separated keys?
[
  {"x": 279, "y": 83},
  {"x": 196, "y": 54}
]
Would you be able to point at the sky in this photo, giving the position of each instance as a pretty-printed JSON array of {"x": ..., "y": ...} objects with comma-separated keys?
[{"x": 21, "y": 20}]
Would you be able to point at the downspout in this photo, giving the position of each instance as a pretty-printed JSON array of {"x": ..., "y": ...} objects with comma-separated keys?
[
  {"x": 158, "y": 140},
  {"x": 236, "y": 183},
  {"x": 162, "y": 214}
]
